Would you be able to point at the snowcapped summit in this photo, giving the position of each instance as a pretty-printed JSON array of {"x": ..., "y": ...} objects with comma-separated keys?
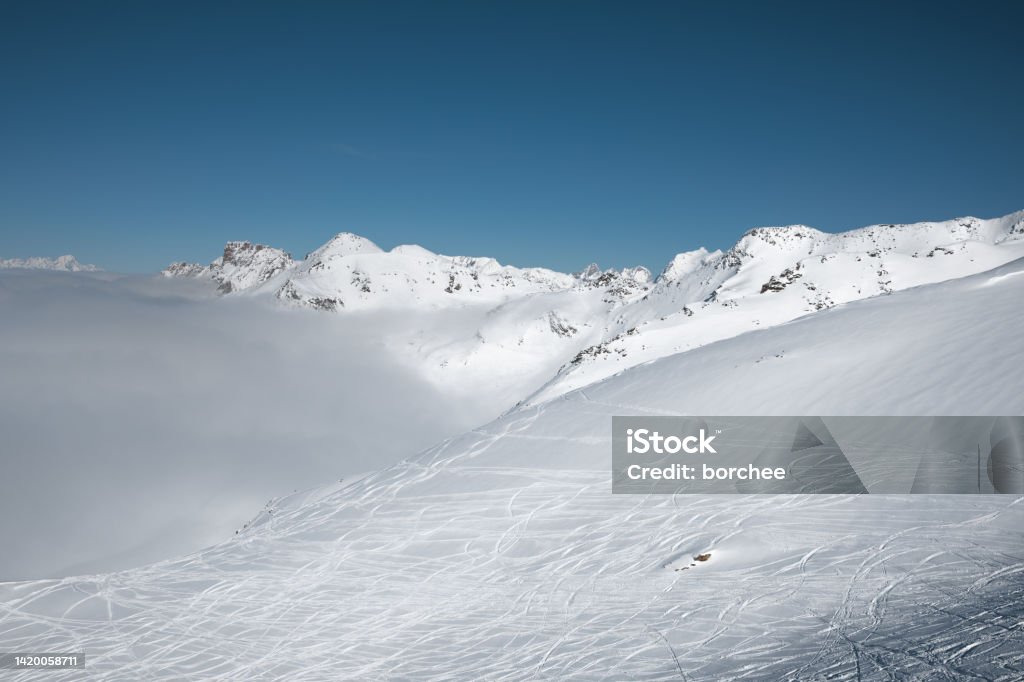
[
  {"x": 685, "y": 263},
  {"x": 782, "y": 236},
  {"x": 344, "y": 244},
  {"x": 639, "y": 274},
  {"x": 412, "y": 251},
  {"x": 66, "y": 263}
]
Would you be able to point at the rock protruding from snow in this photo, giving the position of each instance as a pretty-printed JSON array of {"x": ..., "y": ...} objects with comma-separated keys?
[
  {"x": 593, "y": 275},
  {"x": 245, "y": 265},
  {"x": 589, "y": 273},
  {"x": 66, "y": 263},
  {"x": 618, "y": 285},
  {"x": 242, "y": 266},
  {"x": 182, "y": 269}
]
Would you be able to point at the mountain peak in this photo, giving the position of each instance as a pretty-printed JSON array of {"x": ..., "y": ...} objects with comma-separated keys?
[
  {"x": 684, "y": 263},
  {"x": 244, "y": 253},
  {"x": 242, "y": 265},
  {"x": 414, "y": 250},
  {"x": 778, "y": 238},
  {"x": 590, "y": 272},
  {"x": 346, "y": 244},
  {"x": 593, "y": 274}
]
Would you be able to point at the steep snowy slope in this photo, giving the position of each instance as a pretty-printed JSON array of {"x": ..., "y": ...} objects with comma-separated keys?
[
  {"x": 67, "y": 263},
  {"x": 776, "y": 274},
  {"x": 501, "y": 554}
]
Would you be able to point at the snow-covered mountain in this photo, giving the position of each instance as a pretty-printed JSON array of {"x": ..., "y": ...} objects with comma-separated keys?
[
  {"x": 541, "y": 333},
  {"x": 502, "y": 554},
  {"x": 66, "y": 263},
  {"x": 350, "y": 272},
  {"x": 242, "y": 266},
  {"x": 471, "y": 319},
  {"x": 776, "y": 274}
]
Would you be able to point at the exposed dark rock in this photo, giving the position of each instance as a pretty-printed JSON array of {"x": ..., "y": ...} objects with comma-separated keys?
[{"x": 779, "y": 283}]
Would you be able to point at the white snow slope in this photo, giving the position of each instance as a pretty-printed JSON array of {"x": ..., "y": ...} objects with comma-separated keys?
[{"x": 502, "y": 554}]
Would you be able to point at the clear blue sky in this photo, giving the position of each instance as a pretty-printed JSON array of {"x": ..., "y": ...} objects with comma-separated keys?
[{"x": 542, "y": 133}]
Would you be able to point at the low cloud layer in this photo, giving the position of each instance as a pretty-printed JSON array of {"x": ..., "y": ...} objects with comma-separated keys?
[{"x": 143, "y": 418}]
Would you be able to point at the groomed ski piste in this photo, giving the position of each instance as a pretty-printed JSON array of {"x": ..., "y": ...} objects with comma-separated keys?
[{"x": 502, "y": 554}]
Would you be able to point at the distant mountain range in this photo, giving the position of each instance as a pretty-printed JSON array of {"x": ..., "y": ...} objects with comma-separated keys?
[
  {"x": 533, "y": 334},
  {"x": 546, "y": 332},
  {"x": 66, "y": 263}
]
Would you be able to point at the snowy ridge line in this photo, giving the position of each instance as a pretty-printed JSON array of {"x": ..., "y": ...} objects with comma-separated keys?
[{"x": 539, "y": 333}]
